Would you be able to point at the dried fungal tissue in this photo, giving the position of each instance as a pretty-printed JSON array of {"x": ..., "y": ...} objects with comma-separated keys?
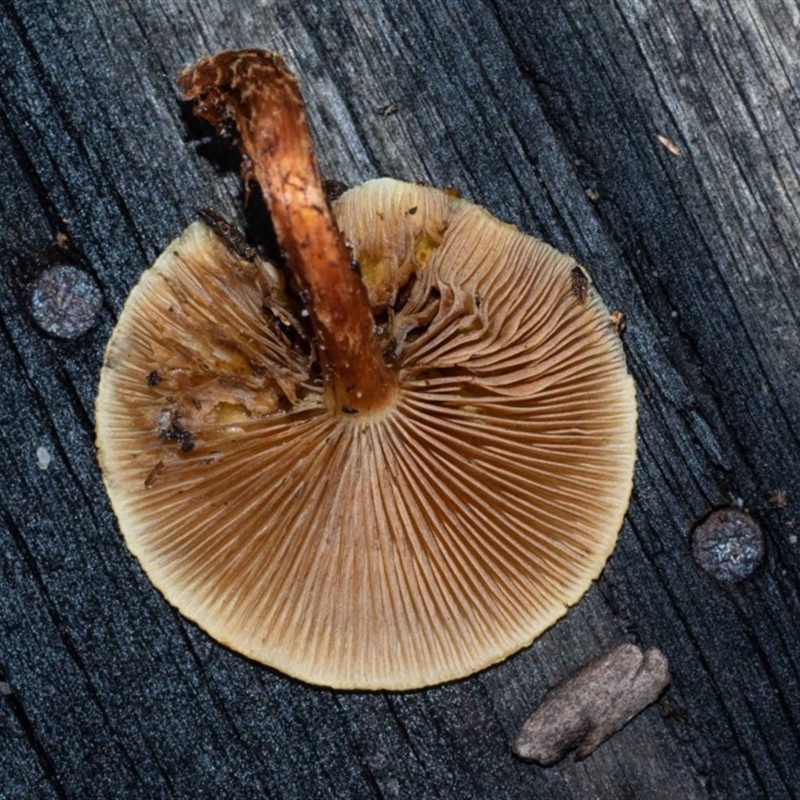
[{"x": 388, "y": 462}]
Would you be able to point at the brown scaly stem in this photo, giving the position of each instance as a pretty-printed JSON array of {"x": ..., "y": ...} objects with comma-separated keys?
[{"x": 254, "y": 90}]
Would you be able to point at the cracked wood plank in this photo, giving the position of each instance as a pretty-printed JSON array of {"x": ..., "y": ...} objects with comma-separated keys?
[{"x": 550, "y": 117}]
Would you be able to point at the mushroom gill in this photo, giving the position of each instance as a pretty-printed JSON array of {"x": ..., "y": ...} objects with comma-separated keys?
[{"x": 387, "y": 550}]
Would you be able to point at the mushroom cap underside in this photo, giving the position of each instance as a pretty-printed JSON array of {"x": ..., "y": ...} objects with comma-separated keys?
[{"x": 406, "y": 549}]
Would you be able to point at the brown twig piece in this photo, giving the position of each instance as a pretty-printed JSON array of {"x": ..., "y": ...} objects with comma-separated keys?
[
  {"x": 591, "y": 705},
  {"x": 253, "y": 91}
]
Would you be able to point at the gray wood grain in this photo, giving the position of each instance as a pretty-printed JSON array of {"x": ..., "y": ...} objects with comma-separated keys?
[{"x": 548, "y": 114}]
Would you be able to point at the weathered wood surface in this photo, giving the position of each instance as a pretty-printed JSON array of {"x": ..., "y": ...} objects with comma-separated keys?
[{"x": 525, "y": 107}]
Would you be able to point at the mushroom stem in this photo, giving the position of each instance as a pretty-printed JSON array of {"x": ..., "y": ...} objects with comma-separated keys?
[{"x": 254, "y": 90}]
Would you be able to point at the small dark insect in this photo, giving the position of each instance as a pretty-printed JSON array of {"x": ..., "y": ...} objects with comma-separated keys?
[
  {"x": 228, "y": 232},
  {"x": 411, "y": 211},
  {"x": 349, "y": 410},
  {"x": 580, "y": 284},
  {"x": 153, "y": 379}
]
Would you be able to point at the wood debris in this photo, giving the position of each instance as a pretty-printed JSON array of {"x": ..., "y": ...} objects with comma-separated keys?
[
  {"x": 592, "y": 704},
  {"x": 778, "y": 499},
  {"x": 669, "y": 145}
]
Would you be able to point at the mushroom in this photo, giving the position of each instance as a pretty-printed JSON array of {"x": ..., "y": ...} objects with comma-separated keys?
[{"x": 389, "y": 464}]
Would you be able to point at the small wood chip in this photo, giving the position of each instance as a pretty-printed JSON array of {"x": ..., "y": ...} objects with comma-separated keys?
[
  {"x": 779, "y": 499},
  {"x": 670, "y": 145},
  {"x": 591, "y": 705}
]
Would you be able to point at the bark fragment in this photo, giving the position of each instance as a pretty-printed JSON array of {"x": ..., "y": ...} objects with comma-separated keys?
[{"x": 592, "y": 704}]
